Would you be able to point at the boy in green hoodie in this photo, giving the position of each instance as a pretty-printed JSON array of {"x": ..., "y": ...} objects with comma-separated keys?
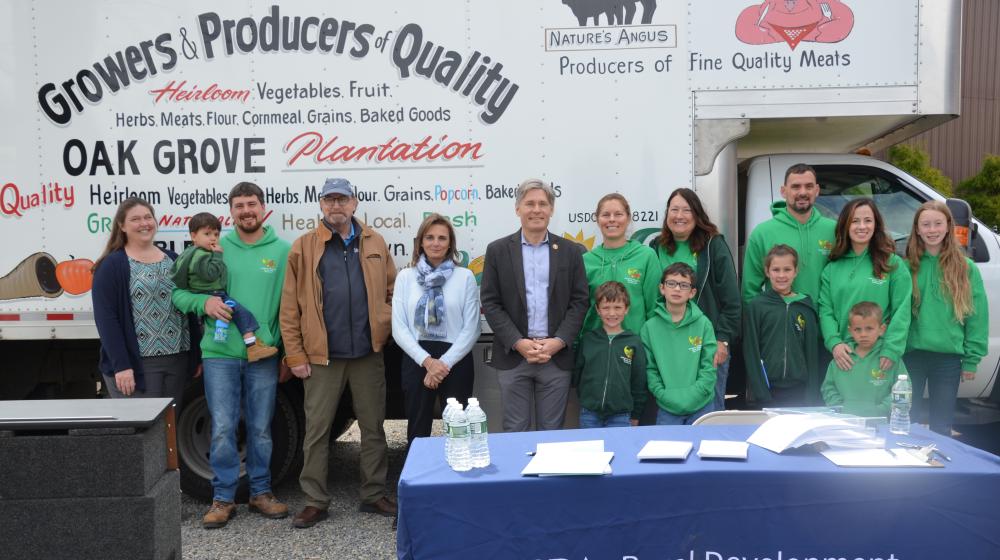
[
  {"x": 782, "y": 337},
  {"x": 610, "y": 368},
  {"x": 201, "y": 270},
  {"x": 865, "y": 389},
  {"x": 680, "y": 344}
]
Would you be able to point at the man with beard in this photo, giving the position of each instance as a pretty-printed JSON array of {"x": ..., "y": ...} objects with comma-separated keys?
[
  {"x": 335, "y": 319},
  {"x": 255, "y": 258},
  {"x": 799, "y": 225}
]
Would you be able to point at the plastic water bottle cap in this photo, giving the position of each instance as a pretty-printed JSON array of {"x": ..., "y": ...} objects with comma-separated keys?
[
  {"x": 474, "y": 400},
  {"x": 903, "y": 376}
]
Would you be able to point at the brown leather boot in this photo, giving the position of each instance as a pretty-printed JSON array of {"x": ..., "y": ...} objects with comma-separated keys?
[
  {"x": 268, "y": 506},
  {"x": 258, "y": 351},
  {"x": 218, "y": 515},
  {"x": 309, "y": 516}
]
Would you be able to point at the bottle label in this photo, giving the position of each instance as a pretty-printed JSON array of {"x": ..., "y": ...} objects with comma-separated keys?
[
  {"x": 458, "y": 431},
  {"x": 478, "y": 428},
  {"x": 900, "y": 397}
]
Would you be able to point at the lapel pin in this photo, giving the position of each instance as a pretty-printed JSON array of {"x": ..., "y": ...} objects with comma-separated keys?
[{"x": 555, "y": 246}]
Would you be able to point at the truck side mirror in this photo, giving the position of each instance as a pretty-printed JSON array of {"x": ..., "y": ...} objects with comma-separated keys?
[{"x": 965, "y": 230}]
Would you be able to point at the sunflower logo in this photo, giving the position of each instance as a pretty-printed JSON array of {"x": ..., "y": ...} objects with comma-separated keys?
[
  {"x": 587, "y": 242},
  {"x": 269, "y": 265},
  {"x": 825, "y": 246},
  {"x": 877, "y": 374},
  {"x": 695, "y": 342}
]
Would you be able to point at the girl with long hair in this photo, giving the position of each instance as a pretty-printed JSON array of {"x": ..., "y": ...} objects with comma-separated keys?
[
  {"x": 145, "y": 341},
  {"x": 689, "y": 236},
  {"x": 949, "y": 333},
  {"x": 864, "y": 267}
]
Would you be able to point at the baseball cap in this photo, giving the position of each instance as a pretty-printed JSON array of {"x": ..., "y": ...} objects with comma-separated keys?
[{"x": 337, "y": 186}]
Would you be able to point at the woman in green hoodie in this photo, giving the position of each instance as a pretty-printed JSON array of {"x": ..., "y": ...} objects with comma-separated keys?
[
  {"x": 621, "y": 260},
  {"x": 864, "y": 267},
  {"x": 949, "y": 333},
  {"x": 689, "y": 237}
]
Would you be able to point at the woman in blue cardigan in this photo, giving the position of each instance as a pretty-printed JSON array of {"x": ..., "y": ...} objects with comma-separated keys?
[{"x": 146, "y": 343}]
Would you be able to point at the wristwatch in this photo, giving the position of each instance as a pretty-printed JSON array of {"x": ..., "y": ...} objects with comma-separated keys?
[{"x": 725, "y": 343}]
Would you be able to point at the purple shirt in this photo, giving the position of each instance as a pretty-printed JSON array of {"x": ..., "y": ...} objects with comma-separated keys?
[{"x": 536, "y": 285}]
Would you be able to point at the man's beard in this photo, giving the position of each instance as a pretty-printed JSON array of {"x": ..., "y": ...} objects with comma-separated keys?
[{"x": 253, "y": 229}]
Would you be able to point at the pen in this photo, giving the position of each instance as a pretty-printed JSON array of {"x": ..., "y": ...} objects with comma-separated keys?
[
  {"x": 942, "y": 455},
  {"x": 532, "y": 454}
]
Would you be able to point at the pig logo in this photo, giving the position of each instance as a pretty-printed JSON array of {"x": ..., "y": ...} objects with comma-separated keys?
[
  {"x": 794, "y": 21},
  {"x": 617, "y": 12}
]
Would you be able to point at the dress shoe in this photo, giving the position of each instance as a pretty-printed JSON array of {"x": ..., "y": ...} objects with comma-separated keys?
[
  {"x": 218, "y": 515},
  {"x": 268, "y": 506},
  {"x": 309, "y": 516},
  {"x": 381, "y": 506}
]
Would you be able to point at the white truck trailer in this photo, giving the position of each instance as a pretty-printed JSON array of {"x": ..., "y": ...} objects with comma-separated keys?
[{"x": 443, "y": 107}]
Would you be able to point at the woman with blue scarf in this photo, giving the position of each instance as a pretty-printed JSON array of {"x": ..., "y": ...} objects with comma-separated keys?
[{"x": 435, "y": 320}]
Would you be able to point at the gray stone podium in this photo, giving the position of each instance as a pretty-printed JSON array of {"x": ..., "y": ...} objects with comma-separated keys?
[{"x": 93, "y": 478}]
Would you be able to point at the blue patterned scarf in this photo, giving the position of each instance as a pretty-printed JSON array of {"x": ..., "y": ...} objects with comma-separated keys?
[{"x": 429, "y": 318}]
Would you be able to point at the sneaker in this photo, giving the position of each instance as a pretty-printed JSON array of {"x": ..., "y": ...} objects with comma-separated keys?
[
  {"x": 258, "y": 351},
  {"x": 218, "y": 515},
  {"x": 268, "y": 506}
]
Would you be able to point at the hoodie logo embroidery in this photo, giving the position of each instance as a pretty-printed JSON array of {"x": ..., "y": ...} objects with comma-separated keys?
[
  {"x": 800, "y": 323},
  {"x": 877, "y": 281},
  {"x": 628, "y": 352},
  {"x": 633, "y": 276},
  {"x": 825, "y": 247},
  {"x": 878, "y": 377},
  {"x": 695, "y": 342},
  {"x": 268, "y": 266}
]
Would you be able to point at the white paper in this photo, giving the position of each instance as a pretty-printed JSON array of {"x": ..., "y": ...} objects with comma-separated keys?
[
  {"x": 664, "y": 449},
  {"x": 786, "y": 431},
  {"x": 719, "y": 449},
  {"x": 897, "y": 457},
  {"x": 587, "y": 446},
  {"x": 554, "y": 463}
]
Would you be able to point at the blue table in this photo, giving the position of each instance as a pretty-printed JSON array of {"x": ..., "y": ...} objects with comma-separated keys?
[{"x": 794, "y": 506}]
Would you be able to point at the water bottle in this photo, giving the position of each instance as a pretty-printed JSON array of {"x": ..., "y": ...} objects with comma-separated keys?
[
  {"x": 458, "y": 430},
  {"x": 445, "y": 414},
  {"x": 222, "y": 327},
  {"x": 902, "y": 397},
  {"x": 479, "y": 448}
]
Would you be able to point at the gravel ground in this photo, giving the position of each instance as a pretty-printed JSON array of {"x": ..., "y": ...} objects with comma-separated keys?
[{"x": 348, "y": 534}]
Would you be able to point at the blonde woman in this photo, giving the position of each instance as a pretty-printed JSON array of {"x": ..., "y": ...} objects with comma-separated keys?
[{"x": 950, "y": 328}]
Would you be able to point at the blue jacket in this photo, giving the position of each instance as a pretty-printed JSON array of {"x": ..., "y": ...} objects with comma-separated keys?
[{"x": 115, "y": 326}]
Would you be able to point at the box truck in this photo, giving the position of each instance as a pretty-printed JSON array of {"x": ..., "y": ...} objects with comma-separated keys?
[{"x": 435, "y": 107}]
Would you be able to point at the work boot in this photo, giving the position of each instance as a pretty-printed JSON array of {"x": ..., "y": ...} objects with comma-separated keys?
[
  {"x": 309, "y": 516},
  {"x": 258, "y": 351},
  {"x": 381, "y": 506},
  {"x": 268, "y": 506},
  {"x": 218, "y": 515}
]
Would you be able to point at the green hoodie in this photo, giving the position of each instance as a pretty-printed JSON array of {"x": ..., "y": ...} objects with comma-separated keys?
[
  {"x": 256, "y": 274},
  {"x": 200, "y": 270},
  {"x": 610, "y": 373},
  {"x": 811, "y": 240},
  {"x": 849, "y": 280},
  {"x": 635, "y": 266},
  {"x": 781, "y": 341},
  {"x": 934, "y": 327},
  {"x": 679, "y": 360},
  {"x": 864, "y": 390}
]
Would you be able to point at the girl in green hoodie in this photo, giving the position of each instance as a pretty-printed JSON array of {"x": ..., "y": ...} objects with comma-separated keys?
[
  {"x": 864, "y": 267},
  {"x": 621, "y": 260},
  {"x": 949, "y": 333}
]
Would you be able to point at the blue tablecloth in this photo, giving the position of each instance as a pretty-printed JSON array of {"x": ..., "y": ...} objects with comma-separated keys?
[{"x": 793, "y": 506}]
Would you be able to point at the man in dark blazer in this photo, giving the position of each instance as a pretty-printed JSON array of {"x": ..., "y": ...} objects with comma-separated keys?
[{"x": 534, "y": 294}]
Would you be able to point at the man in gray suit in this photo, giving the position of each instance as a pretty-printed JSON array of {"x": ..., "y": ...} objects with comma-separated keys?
[{"x": 534, "y": 294}]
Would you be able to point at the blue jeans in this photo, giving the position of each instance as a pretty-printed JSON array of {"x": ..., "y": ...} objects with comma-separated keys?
[
  {"x": 943, "y": 374},
  {"x": 722, "y": 374},
  {"x": 230, "y": 383},
  {"x": 590, "y": 419},
  {"x": 664, "y": 418}
]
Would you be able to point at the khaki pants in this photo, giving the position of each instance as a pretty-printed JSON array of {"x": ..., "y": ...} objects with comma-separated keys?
[{"x": 366, "y": 376}]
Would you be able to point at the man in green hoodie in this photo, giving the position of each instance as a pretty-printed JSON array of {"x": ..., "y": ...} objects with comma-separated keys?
[
  {"x": 798, "y": 224},
  {"x": 680, "y": 344},
  {"x": 255, "y": 259}
]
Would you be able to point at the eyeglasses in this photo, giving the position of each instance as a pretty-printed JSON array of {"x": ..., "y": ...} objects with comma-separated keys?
[
  {"x": 336, "y": 200},
  {"x": 675, "y": 285}
]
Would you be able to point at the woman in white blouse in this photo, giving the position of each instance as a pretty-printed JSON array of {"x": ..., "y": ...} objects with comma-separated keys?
[{"x": 435, "y": 320}]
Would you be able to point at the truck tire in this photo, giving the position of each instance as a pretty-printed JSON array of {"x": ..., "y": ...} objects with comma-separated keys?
[{"x": 194, "y": 438}]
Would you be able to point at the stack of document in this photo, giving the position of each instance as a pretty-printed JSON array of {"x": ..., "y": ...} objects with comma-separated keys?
[
  {"x": 664, "y": 450},
  {"x": 570, "y": 458},
  {"x": 789, "y": 431}
]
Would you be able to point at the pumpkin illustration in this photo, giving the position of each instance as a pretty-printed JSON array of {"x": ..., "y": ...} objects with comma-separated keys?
[{"x": 75, "y": 276}]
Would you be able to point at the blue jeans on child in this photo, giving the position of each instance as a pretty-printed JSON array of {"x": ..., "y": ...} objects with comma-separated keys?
[
  {"x": 664, "y": 418},
  {"x": 242, "y": 317},
  {"x": 230, "y": 383},
  {"x": 590, "y": 419}
]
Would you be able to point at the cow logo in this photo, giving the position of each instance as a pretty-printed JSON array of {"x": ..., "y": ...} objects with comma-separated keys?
[
  {"x": 633, "y": 276},
  {"x": 795, "y": 21},
  {"x": 628, "y": 353},
  {"x": 616, "y": 12},
  {"x": 695, "y": 342},
  {"x": 800, "y": 323}
]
